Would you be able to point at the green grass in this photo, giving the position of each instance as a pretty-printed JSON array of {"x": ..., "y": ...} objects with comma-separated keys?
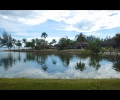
[{"x": 58, "y": 84}]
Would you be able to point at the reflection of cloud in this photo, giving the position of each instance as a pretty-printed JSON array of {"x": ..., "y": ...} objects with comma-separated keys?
[
  {"x": 71, "y": 73},
  {"x": 19, "y": 70}
]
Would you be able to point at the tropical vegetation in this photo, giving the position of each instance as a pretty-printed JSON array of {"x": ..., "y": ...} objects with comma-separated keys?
[{"x": 91, "y": 43}]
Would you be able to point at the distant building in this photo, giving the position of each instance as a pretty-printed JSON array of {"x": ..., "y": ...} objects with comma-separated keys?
[
  {"x": 77, "y": 45},
  {"x": 83, "y": 44}
]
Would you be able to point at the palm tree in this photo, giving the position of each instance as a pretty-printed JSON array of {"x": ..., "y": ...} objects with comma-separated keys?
[
  {"x": 24, "y": 41},
  {"x": 14, "y": 42},
  {"x": 18, "y": 44},
  {"x": 36, "y": 41},
  {"x": 53, "y": 41},
  {"x": 67, "y": 41},
  {"x": 33, "y": 41},
  {"x": 80, "y": 38},
  {"x": 44, "y": 35}
]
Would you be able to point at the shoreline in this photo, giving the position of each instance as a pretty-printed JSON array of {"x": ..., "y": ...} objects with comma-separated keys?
[
  {"x": 76, "y": 51},
  {"x": 47, "y": 51}
]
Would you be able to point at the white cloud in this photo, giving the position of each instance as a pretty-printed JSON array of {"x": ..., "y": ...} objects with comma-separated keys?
[{"x": 20, "y": 21}]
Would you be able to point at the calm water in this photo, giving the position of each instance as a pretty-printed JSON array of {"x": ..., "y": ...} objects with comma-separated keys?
[{"x": 64, "y": 66}]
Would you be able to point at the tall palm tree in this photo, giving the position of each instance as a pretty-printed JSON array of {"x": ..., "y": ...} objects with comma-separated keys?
[
  {"x": 53, "y": 41},
  {"x": 44, "y": 35},
  {"x": 67, "y": 41},
  {"x": 19, "y": 44},
  {"x": 14, "y": 42},
  {"x": 33, "y": 41},
  {"x": 80, "y": 38},
  {"x": 24, "y": 41},
  {"x": 36, "y": 41}
]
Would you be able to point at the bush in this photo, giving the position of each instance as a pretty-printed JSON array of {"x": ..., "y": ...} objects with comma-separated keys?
[
  {"x": 85, "y": 52},
  {"x": 102, "y": 50},
  {"x": 95, "y": 46}
]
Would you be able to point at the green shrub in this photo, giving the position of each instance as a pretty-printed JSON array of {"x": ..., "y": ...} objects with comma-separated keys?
[
  {"x": 85, "y": 52},
  {"x": 95, "y": 46}
]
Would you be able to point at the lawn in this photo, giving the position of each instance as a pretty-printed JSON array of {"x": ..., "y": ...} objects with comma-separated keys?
[{"x": 58, "y": 84}]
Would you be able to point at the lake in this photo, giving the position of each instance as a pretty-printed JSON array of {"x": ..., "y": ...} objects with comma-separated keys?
[{"x": 58, "y": 66}]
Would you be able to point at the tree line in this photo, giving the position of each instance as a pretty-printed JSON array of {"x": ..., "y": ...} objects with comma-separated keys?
[{"x": 94, "y": 44}]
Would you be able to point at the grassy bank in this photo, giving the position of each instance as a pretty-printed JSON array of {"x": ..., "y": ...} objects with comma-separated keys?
[
  {"x": 59, "y": 84},
  {"x": 49, "y": 51}
]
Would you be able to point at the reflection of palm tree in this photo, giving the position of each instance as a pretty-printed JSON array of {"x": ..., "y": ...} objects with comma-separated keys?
[
  {"x": 6, "y": 65},
  {"x": 30, "y": 56},
  {"x": 44, "y": 67},
  {"x": 116, "y": 66},
  {"x": 0, "y": 62},
  {"x": 41, "y": 59},
  {"x": 65, "y": 59},
  {"x": 7, "y": 62},
  {"x": 10, "y": 59},
  {"x": 94, "y": 62},
  {"x": 19, "y": 57},
  {"x": 80, "y": 66},
  {"x": 116, "y": 62},
  {"x": 24, "y": 60},
  {"x": 53, "y": 60}
]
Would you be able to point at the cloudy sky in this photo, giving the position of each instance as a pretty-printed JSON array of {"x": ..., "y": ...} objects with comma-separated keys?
[{"x": 30, "y": 24}]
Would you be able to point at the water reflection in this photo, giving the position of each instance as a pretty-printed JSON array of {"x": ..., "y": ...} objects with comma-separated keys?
[
  {"x": 31, "y": 64},
  {"x": 7, "y": 61},
  {"x": 40, "y": 58},
  {"x": 65, "y": 58},
  {"x": 19, "y": 57},
  {"x": 94, "y": 62},
  {"x": 116, "y": 62},
  {"x": 80, "y": 66},
  {"x": 54, "y": 60}
]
